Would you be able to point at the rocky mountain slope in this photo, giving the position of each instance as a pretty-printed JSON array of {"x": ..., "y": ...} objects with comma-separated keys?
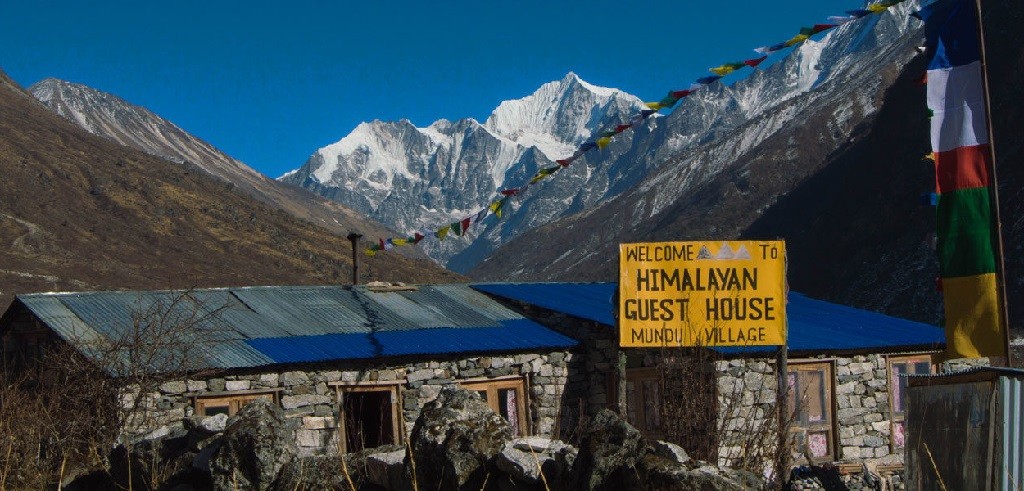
[
  {"x": 82, "y": 212},
  {"x": 844, "y": 192},
  {"x": 112, "y": 117}
]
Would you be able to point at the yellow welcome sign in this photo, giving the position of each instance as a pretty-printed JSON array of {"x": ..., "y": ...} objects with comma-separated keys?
[{"x": 713, "y": 293}]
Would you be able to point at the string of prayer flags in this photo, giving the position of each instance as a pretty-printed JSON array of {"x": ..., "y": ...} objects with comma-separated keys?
[
  {"x": 968, "y": 244},
  {"x": 601, "y": 139}
]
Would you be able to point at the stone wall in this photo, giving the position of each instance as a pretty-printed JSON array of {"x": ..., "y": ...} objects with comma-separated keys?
[
  {"x": 745, "y": 397},
  {"x": 860, "y": 406},
  {"x": 309, "y": 397}
]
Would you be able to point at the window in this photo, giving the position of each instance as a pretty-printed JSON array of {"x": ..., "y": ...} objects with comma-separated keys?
[
  {"x": 368, "y": 416},
  {"x": 643, "y": 400},
  {"x": 810, "y": 407},
  {"x": 899, "y": 368},
  {"x": 229, "y": 403},
  {"x": 506, "y": 397}
]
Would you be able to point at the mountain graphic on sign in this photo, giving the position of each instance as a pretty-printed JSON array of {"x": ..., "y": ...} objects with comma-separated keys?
[
  {"x": 741, "y": 253},
  {"x": 724, "y": 253},
  {"x": 704, "y": 253}
]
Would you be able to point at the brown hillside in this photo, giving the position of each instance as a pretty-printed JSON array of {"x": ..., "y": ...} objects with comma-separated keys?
[{"x": 81, "y": 212}]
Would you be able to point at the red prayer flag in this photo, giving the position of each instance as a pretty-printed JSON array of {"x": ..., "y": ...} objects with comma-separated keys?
[
  {"x": 755, "y": 61},
  {"x": 465, "y": 224},
  {"x": 821, "y": 27},
  {"x": 622, "y": 127},
  {"x": 509, "y": 192},
  {"x": 417, "y": 237},
  {"x": 679, "y": 94}
]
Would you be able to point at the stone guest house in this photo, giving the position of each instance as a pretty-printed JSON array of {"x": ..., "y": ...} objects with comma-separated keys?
[
  {"x": 845, "y": 374},
  {"x": 354, "y": 365}
]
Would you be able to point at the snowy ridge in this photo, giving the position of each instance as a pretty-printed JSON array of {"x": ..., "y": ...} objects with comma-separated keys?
[{"x": 112, "y": 117}]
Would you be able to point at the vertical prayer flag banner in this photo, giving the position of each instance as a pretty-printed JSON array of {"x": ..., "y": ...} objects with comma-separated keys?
[
  {"x": 708, "y": 293},
  {"x": 967, "y": 233}
]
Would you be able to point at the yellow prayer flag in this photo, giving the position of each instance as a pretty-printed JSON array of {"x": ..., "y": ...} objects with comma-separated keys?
[
  {"x": 603, "y": 141},
  {"x": 877, "y": 7},
  {"x": 799, "y": 38},
  {"x": 443, "y": 232},
  {"x": 973, "y": 317},
  {"x": 722, "y": 70},
  {"x": 496, "y": 206},
  {"x": 371, "y": 252},
  {"x": 399, "y": 242},
  {"x": 653, "y": 105}
]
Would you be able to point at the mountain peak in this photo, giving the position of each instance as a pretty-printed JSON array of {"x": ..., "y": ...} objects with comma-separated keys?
[{"x": 560, "y": 114}]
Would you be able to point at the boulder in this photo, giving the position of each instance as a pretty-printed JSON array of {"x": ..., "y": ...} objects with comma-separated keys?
[
  {"x": 386, "y": 468},
  {"x": 610, "y": 451},
  {"x": 523, "y": 459},
  {"x": 657, "y": 473},
  {"x": 213, "y": 424},
  {"x": 314, "y": 472},
  {"x": 454, "y": 440},
  {"x": 670, "y": 451},
  {"x": 256, "y": 444}
]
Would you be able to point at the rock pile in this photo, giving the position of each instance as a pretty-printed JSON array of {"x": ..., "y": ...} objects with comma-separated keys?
[{"x": 458, "y": 442}]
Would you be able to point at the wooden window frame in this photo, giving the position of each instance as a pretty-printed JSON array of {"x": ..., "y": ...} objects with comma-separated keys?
[
  {"x": 637, "y": 376},
  {"x": 233, "y": 400},
  {"x": 492, "y": 386},
  {"x": 897, "y": 417},
  {"x": 828, "y": 405},
  {"x": 394, "y": 393}
]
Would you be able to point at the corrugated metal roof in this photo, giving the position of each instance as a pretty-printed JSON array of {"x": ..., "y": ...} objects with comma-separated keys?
[
  {"x": 256, "y": 326},
  {"x": 510, "y": 335},
  {"x": 814, "y": 325}
]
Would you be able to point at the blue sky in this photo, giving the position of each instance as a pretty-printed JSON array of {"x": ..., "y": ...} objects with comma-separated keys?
[{"x": 269, "y": 83}]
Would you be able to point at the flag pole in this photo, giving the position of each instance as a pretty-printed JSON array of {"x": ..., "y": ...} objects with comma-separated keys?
[{"x": 1000, "y": 263}]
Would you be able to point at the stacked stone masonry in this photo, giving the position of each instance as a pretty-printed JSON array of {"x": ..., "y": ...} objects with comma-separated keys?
[{"x": 310, "y": 398}]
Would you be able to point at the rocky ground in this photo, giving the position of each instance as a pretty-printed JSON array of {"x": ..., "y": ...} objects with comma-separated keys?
[{"x": 458, "y": 442}]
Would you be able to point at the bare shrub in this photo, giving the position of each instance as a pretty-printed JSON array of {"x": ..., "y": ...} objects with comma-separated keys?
[
  {"x": 725, "y": 411},
  {"x": 81, "y": 398}
]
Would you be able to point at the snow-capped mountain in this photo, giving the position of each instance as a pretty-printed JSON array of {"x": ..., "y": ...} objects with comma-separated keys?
[
  {"x": 415, "y": 178},
  {"x": 420, "y": 178},
  {"x": 822, "y": 149},
  {"x": 114, "y": 118}
]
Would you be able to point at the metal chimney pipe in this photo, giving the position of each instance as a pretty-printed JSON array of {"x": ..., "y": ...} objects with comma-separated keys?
[{"x": 354, "y": 238}]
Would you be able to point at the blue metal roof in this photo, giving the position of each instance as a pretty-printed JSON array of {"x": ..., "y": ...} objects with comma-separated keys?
[
  {"x": 257, "y": 326},
  {"x": 814, "y": 325}
]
